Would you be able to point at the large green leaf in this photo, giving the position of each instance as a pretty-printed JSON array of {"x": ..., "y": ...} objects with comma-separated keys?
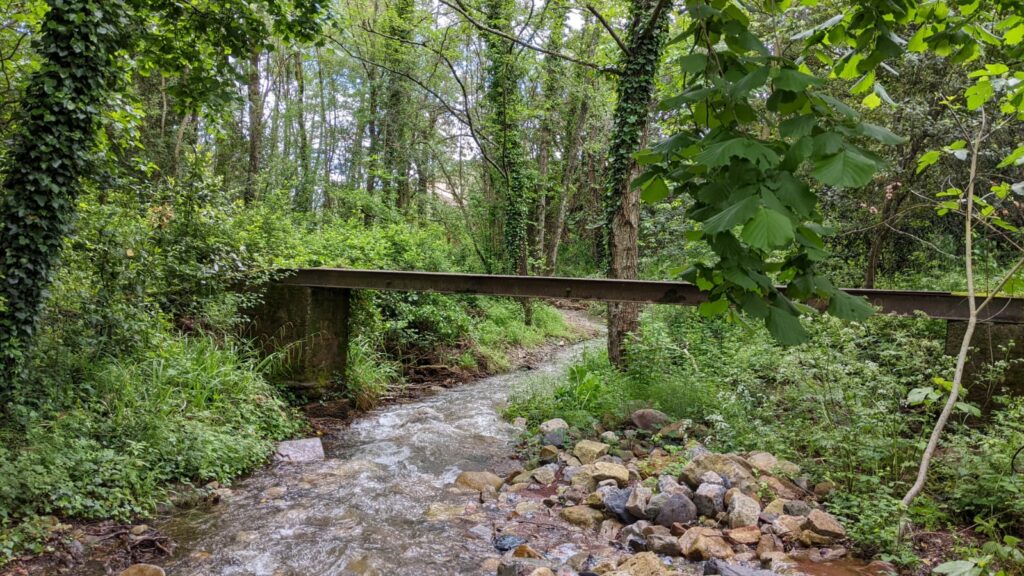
[
  {"x": 768, "y": 229},
  {"x": 795, "y": 194},
  {"x": 848, "y": 168},
  {"x": 731, "y": 216},
  {"x": 883, "y": 135},
  {"x": 785, "y": 327},
  {"x": 721, "y": 153},
  {"x": 847, "y": 307},
  {"x": 795, "y": 80}
]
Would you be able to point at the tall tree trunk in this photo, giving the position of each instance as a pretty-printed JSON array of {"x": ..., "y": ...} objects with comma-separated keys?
[
  {"x": 622, "y": 203},
  {"x": 304, "y": 191},
  {"x": 255, "y": 126},
  {"x": 551, "y": 96}
]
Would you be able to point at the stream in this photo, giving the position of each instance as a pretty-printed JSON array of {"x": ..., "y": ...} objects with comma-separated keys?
[{"x": 380, "y": 504}]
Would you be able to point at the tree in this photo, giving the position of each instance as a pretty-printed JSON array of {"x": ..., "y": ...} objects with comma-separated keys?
[
  {"x": 640, "y": 60},
  {"x": 82, "y": 65}
]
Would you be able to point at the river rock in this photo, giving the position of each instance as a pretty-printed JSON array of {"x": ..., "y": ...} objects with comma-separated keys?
[
  {"x": 710, "y": 477},
  {"x": 710, "y": 499},
  {"x": 664, "y": 544},
  {"x": 636, "y": 505},
  {"x": 548, "y": 453},
  {"x": 632, "y": 536},
  {"x": 553, "y": 425},
  {"x": 507, "y": 542},
  {"x": 305, "y": 450},
  {"x": 743, "y": 511},
  {"x": 609, "y": 530},
  {"x": 782, "y": 488},
  {"x": 788, "y": 527},
  {"x": 811, "y": 538},
  {"x": 749, "y": 535},
  {"x": 825, "y": 524},
  {"x": 615, "y": 499},
  {"x": 732, "y": 468},
  {"x": 556, "y": 437},
  {"x": 650, "y": 419},
  {"x": 588, "y": 451},
  {"x": 523, "y": 567},
  {"x": 581, "y": 478},
  {"x": 478, "y": 480},
  {"x": 609, "y": 437},
  {"x": 797, "y": 508},
  {"x": 142, "y": 570},
  {"x": 655, "y": 504},
  {"x": 767, "y": 544},
  {"x": 775, "y": 508},
  {"x": 677, "y": 509},
  {"x": 583, "y": 516},
  {"x": 729, "y": 569},
  {"x": 609, "y": 471},
  {"x": 702, "y": 543},
  {"x": 545, "y": 474},
  {"x": 274, "y": 492},
  {"x": 642, "y": 564}
]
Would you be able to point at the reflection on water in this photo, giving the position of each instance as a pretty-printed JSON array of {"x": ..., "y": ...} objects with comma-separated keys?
[{"x": 363, "y": 510}]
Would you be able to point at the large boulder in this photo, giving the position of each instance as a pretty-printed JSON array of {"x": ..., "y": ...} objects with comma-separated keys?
[
  {"x": 743, "y": 511},
  {"x": 610, "y": 471},
  {"x": 678, "y": 509},
  {"x": 650, "y": 419},
  {"x": 478, "y": 480},
  {"x": 588, "y": 451},
  {"x": 636, "y": 505},
  {"x": 735, "y": 470},
  {"x": 615, "y": 499}
]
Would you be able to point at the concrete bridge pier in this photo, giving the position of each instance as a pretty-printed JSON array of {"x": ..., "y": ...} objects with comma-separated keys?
[{"x": 310, "y": 327}]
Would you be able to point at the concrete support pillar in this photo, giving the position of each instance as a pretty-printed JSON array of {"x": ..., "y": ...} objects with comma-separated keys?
[
  {"x": 310, "y": 326},
  {"x": 991, "y": 343}
]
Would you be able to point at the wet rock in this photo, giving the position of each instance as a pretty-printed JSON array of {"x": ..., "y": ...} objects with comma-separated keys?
[
  {"x": 548, "y": 453},
  {"x": 553, "y": 425},
  {"x": 478, "y": 480},
  {"x": 777, "y": 562},
  {"x": 642, "y": 564},
  {"x": 305, "y": 450},
  {"x": 507, "y": 542},
  {"x": 583, "y": 516},
  {"x": 480, "y": 531},
  {"x": 811, "y": 538},
  {"x": 732, "y": 468},
  {"x": 522, "y": 566},
  {"x": 274, "y": 492},
  {"x": 749, "y": 535},
  {"x": 743, "y": 511},
  {"x": 589, "y": 451},
  {"x": 825, "y": 524},
  {"x": 730, "y": 569},
  {"x": 649, "y": 419},
  {"x": 636, "y": 505},
  {"x": 609, "y": 471},
  {"x": 710, "y": 499},
  {"x": 678, "y": 508},
  {"x": 702, "y": 543},
  {"x": 438, "y": 511},
  {"x": 830, "y": 554},
  {"x": 142, "y": 570}
]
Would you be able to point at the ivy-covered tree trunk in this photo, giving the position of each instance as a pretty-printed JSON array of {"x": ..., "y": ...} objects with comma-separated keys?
[
  {"x": 504, "y": 122},
  {"x": 397, "y": 110},
  {"x": 551, "y": 101},
  {"x": 644, "y": 41},
  {"x": 50, "y": 151},
  {"x": 255, "y": 125}
]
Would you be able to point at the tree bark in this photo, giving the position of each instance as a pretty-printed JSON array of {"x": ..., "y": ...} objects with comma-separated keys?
[{"x": 255, "y": 126}]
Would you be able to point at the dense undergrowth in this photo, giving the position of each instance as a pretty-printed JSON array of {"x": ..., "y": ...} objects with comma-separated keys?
[
  {"x": 853, "y": 406},
  {"x": 138, "y": 379}
]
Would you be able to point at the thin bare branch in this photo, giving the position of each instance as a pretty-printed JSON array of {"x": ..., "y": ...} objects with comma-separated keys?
[{"x": 609, "y": 29}]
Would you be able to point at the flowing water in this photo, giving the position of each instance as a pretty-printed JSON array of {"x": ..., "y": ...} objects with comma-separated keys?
[{"x": 377, "y": 505}]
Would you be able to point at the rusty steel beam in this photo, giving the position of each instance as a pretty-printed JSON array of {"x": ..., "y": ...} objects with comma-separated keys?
[{"x": 939, "y": 305}]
